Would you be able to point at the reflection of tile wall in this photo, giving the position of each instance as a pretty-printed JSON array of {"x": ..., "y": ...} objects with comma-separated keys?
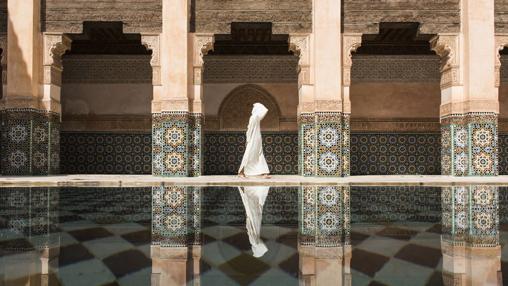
[
  {"x": 223, "y": 152},
  {"x": 395, "y": 204},
  {"x": 392, "y": 153},
  {"x": 106, "y": 153}
]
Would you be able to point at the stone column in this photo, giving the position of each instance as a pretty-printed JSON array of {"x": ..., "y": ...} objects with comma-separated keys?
[
  {"x": 320, "y": 110},
  {"x": 176, "y": 125},
  {"x": 31, "y": 103},
  {"x": 469, "y": 100}
]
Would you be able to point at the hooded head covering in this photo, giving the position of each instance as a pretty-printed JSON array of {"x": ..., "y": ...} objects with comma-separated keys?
[{"x": 259, "y": 110}]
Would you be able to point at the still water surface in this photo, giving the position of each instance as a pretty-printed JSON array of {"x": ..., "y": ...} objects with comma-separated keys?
[{"x": 254, "y": 236}]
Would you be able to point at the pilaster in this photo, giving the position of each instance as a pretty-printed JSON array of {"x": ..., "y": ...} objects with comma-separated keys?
[
  {"x": 30, "y": 142},
  {"x": 170, "y": 143},
  {"x": 469, "y": 144}
]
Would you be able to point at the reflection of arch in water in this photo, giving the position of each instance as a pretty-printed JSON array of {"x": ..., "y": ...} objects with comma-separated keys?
[{"x": 236, "y": 108}]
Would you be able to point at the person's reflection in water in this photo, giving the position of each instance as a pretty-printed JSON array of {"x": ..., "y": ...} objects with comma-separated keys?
[{"x": 253, "y": 199}]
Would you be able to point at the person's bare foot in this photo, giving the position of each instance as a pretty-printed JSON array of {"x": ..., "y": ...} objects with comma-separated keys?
[
  {"x": 266, "y": 176},
  {"x": 241, "y": 175}
]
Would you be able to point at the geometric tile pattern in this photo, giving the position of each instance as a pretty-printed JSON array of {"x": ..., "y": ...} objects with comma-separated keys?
[
  {"x": 28, "y": 217},
  {"x": 195, "y": 144},
  {"x": 469, "y": 144},
  {"x": 223, "y": 152},
  {"x": 306, "y": 144},
  {"x": 470, "y": 215},
  {"x": 503, "y": 154},
  {"x": 329, "y": 144},
  {"x": 322, "y": 149},
  {"x": 323, "y": 214},
  {"x": 106, "y": 153},
  {"x": 176, "y": 216},
  {"x": 395, "y": 154},
  {"x": 395, "y": 204},
  {"x": 30, "y": 142},
  {"x": 170, "y": 133}
]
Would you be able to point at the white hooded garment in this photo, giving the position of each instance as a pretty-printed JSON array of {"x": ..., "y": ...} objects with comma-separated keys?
[
  {"x": 253, "y": 199},
  {"x": 253, "y": 162}
]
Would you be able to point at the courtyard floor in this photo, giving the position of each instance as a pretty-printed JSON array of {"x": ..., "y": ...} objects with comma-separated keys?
[{"x": 276, "y": 180}]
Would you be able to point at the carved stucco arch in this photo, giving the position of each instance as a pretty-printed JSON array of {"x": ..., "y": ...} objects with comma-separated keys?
[{"x": 235, "y": 109}]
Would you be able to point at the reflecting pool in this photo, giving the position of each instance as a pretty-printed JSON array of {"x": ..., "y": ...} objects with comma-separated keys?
[{"x": 257, "y": 235}]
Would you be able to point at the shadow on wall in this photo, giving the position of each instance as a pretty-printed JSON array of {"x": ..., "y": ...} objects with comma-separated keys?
[{"x": 16, "y": 148}]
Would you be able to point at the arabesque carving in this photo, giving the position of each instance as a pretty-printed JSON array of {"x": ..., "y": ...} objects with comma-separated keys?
[
  {"x": 446, "y": 46},
  {"x": 350, "y": 43},
  {"x": 152, "y": 43},
  {"x": 501, "y": 43}
]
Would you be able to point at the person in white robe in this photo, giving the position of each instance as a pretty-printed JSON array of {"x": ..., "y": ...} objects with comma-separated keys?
[
  {"x": 253, "y": 199},
  {"x": 254, "y": 162}
]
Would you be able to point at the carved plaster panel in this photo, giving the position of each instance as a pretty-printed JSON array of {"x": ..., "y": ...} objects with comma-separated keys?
[
  {"x": 152, "y": 43},
  {"x": 501, "y": 43},
  {"x": 447, "y": 47},
  {"x": 55, "y": 45},
  {"x": 203, "y": 43},
  {"x": 350, "y": 43},
  {"x": 299, "y": 44}
]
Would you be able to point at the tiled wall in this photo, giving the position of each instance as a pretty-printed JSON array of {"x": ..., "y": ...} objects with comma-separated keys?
[
  {"x": 223, "y": 152},
  {"x": 122, "y": 153},
  {"x": 392, "y": 153},
  {"x": 503, "y": 154},
  {"x": 106, "y": 153}
]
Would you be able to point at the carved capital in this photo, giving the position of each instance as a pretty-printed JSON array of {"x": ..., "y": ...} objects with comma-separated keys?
[
  {"x": 447, "y": 47},
  {"x": 55, "y": 45},
  {"x": 501, "y": 43},
  {"x": 350, "y": 43},
  {"x": 152, "y": 43},
  {"x": 299, "y": 44},
  {"x": 203, "y": 43}
]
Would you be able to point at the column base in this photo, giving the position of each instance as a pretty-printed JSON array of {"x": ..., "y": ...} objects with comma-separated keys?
[
  {"x": 176, "y": 147},
  {"x": 30, "y": 143},
  {"x": 469, "y": 144},
  {"x": 324, "y": 144}
]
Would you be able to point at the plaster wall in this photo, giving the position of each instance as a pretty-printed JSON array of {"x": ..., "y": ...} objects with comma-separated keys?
[{"x": 395, "y": 100}]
